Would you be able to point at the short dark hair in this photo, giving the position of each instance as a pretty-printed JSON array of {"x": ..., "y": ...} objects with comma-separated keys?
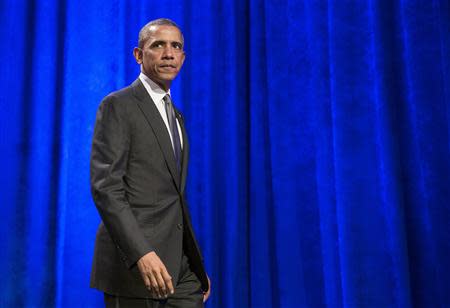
[{"x": 145, "y": 31}]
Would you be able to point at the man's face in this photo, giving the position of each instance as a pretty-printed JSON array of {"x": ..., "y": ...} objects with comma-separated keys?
[{"x": 162, "y": 55}]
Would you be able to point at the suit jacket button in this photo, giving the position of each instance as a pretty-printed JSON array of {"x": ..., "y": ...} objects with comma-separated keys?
[{"x": 180, "y": 226}]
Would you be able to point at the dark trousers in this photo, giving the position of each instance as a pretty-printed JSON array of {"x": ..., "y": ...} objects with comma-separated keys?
[{"x": 188, "y": 294}]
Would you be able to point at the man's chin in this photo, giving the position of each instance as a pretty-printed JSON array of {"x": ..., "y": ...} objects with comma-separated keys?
[
  {"x": 163, "y": 81},
  {"x": 167, "y": 77}
]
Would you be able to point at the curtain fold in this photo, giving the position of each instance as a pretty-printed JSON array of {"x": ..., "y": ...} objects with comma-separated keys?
[{"x": 319, "y": 135}]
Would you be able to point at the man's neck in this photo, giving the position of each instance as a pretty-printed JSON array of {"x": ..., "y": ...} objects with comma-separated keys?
[{"x": 165, "y": 86}]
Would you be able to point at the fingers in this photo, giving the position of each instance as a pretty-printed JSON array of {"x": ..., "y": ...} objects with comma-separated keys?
[
  {"x": 160, "y": 282},
  {"x": 151, "y": 284},
  {"x": 207, "y": 294},
  {"x": 147, "y": 282},
  {"x": 156, "y": 278},
  {"x": 162, "y": 290},
  {"x": 155, "y": 286},
  {"x": 168, "y": 281},
  {"x": 164, "y": 281}
]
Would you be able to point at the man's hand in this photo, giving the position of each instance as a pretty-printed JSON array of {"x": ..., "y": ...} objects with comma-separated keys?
[
  {"x": 206, "y": 295},
  {"x": 155, "y": 275}
]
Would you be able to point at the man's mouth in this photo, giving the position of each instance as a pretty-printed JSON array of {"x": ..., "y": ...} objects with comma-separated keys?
[{"x": 170, "y": 66}]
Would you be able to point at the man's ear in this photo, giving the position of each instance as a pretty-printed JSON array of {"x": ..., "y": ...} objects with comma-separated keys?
[{"x": 137, "y": 53}]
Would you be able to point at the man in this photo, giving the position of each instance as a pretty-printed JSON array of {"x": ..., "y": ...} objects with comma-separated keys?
[{"x": 146, "y": 254}]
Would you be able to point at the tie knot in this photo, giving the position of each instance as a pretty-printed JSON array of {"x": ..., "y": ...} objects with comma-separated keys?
[{"x": 167, "y": 99}]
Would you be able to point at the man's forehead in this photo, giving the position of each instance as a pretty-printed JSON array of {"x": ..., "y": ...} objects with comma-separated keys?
[{"x": 162, "y": 30}]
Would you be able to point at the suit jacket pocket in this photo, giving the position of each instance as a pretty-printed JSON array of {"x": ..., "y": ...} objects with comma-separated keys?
[{"x": 155, "y": 219}]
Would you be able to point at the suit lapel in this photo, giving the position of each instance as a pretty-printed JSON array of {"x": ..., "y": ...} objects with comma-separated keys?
[{"x": 155, "y": 121}]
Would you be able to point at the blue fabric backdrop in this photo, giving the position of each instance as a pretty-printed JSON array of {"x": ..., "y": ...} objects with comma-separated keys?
[{"x": 319, "y": 173}]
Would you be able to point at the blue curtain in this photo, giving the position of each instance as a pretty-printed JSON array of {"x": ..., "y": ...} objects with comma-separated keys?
[{"x": 319, "y": 130}]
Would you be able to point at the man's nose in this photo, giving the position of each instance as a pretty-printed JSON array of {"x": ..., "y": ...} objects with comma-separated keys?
[{"x": 168, "y": 52}]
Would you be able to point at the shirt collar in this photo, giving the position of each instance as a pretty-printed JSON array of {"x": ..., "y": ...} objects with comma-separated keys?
[{"x": 156, "y": 93}]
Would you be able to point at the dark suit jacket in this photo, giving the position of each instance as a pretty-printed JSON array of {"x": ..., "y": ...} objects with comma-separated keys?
[{"x": 139, "y": 193}]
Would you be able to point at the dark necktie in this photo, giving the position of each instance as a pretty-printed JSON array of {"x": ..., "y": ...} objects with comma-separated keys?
[{"x": 170, "y": 112}]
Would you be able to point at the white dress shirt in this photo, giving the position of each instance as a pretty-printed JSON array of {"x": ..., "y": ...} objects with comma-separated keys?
[{"x": 157, "y": 94}]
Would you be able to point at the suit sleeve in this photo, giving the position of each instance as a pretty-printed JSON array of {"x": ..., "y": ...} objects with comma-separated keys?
[{"x": 109, "y": 157}]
